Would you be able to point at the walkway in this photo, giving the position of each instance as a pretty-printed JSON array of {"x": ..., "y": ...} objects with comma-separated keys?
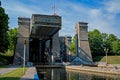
[
  {"x": 108, "y": 69},
  {"x": 9, "y": 69},
  {"x": 29, "y": 74}
]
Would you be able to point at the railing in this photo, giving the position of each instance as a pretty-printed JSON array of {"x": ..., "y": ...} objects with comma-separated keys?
[
  {"x": 85, "y": 54},
  {"x": 85, "y": 58}
]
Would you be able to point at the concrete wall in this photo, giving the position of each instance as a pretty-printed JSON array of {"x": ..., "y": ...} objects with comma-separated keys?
[
  {"x": 83, "y": 43},
  {"x": 65, "y": 42},
  {"x": 56, "y": 45},
  {"x": 23, "y": 34}
]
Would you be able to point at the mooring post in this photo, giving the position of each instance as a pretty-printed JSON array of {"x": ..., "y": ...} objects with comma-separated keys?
[{"x": 24, "y": 56}]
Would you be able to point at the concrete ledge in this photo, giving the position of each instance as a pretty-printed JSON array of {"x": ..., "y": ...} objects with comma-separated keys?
[
  {"x": 49, "y": 66},
  {"x": 29, "y": 74},
  {"x": 94, "y": 69}
]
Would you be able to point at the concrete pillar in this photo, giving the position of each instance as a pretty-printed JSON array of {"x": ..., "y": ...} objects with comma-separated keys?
[
  {"x": 23, "y": 33},
  {"x": 83, "y": 43},
  {"x": 51, "y": 53},
  {"x": 56, "y": 45}
]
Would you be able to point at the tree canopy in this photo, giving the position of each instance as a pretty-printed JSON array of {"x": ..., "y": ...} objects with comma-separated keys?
[
  {"x": 12, "y": 37},
  {"x": 3, "y": 30},
  {"x": 99, "y": 41},
  {"x": 72, "y": 46},
  {"x": 116, "y": 47},
  {"x": 96, "y": 41}
]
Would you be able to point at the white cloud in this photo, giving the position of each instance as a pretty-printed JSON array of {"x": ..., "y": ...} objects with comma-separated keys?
[
  {"x": 95, "y": 12},
  {"x": 18, "y": 8},
  {"x": 113, "y": 6},
  {"x": 102, "y": 17},
  {"x": 98, "y": 18}
]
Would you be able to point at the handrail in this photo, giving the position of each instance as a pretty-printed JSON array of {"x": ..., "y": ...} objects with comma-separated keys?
[{"x": 83, "y": 52}]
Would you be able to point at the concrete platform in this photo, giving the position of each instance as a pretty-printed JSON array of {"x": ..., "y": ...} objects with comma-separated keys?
[
  {"x": 29, "y": 74},
  {"x": 49, "y": 66},
  {"x": 107, "y": 70}
]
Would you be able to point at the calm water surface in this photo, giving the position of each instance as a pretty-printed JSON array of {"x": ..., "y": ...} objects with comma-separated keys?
[{"x": 62, "y": 74}]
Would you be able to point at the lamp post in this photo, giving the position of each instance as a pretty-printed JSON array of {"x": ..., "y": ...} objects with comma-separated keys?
[
  {"x": 106, "y": 51},
  {"x": 25, "y": 42}
]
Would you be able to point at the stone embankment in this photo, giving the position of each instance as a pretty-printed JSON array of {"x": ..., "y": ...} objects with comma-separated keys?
[{"x": 115, "y": 70}]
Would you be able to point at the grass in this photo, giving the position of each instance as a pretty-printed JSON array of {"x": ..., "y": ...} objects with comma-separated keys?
[
  {"x": 6, "y": 58},
  {"x": 13, "y": 75},
  {"x": 111, "y": 59}
]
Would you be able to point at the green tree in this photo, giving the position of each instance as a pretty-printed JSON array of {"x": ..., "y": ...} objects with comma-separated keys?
[
  {"x": 96, "y": 42},
  {"x": 72, "y": 46},
  {"x": 104, "y": 38},
  {"x": 12, "y": 37},
  {"x": 116, "y": 47},
  {"x": 3, "y": 30},
  {"x": 109, "y": 42}
]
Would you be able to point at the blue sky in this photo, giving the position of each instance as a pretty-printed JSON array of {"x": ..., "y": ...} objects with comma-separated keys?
[{"x": 103, "y": 15}]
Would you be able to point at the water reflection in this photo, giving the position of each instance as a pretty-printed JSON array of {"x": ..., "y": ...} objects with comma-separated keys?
[
  {"x": 61, "y": 74},
  {"x": 52, "y": 74},
  {"x": 90, "y": 76}
]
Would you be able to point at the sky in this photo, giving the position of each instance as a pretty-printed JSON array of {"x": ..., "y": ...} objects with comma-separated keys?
[{"x": 103, "y": 15}]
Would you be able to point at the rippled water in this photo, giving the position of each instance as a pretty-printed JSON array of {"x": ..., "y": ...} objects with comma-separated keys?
[{"x": 62, "y": 74}]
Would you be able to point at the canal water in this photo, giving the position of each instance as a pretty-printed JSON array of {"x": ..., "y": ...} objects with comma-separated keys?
[{"x": 62, "y": 74}]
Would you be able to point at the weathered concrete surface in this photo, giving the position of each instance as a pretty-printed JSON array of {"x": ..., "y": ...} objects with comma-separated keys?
[
  {"x": 56, "y": 45},
  {"x": 23, "y": 34},
  {"x": 29, "y": 74},
  {"x": 107, "y": 70},
  {"x": 82, "y": 32},
  {"x": 65, "y": 42},
  {"x": 44, "y": 26},
  {"x": 41, "y": 27}
]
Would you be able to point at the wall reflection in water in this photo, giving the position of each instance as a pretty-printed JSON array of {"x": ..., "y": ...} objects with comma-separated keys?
[
  {"x": 52, "y": 74},
  {"x": 61, "y": 74}
]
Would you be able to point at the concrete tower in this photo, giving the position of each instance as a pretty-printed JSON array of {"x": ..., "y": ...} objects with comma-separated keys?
[
  {"x": 23, "y": 34},
  {"x": 83, "y": 44},
  {"x": 41, "y": 34}
]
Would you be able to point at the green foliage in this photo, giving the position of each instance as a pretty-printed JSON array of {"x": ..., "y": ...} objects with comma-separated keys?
[
  {"x": 3, "y": 30},
  {"x": 116, "y": 46},
  {"x": 72, "y": 46},
  {"x": 6, "y": 58},
  {"x": 12, "y": 37},
  {"x": 105, "y": 44},
  {"x": 3, "y": 61},
  {"x": 109, "y": 42},
  {"x": 96, "y": 41},
  {"x": 8, "y": 38}
]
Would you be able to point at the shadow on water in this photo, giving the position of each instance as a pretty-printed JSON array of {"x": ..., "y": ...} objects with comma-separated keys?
[{"x": 62, "y": 74}]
